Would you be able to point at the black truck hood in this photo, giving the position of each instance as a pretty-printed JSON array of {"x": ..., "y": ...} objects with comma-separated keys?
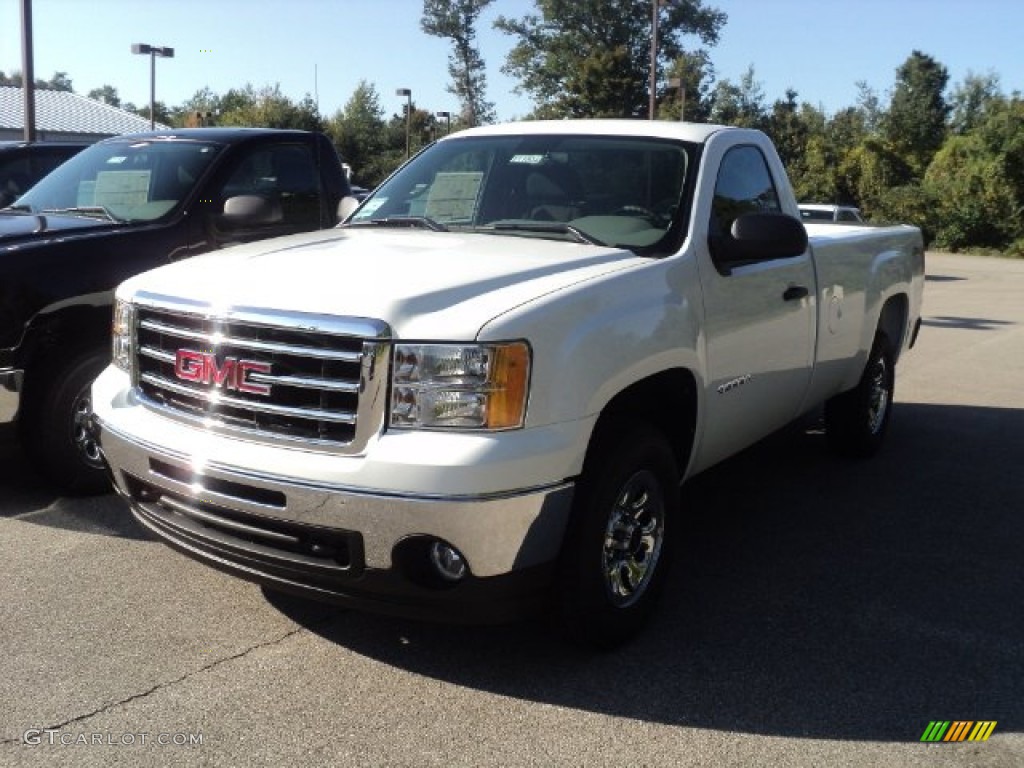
[{"x": 18, "y": 225}]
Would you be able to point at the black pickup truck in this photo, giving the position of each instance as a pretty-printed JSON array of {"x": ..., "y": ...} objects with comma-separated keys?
[{"x": 120, "y": 207}]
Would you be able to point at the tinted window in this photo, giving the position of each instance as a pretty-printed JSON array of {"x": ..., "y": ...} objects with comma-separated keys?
[
  {"x": 621, "y": 191},
  {"x": 137, "y": 181},
  {"x": 815, "y": 215},
  {"x": 286, "y": 173},
  {"x": 744, "y": 185}
]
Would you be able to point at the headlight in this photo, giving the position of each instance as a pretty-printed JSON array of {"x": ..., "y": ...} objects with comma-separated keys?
[
  {"x": 121, "y": 335},
  {"x": 472, "y": 386}
]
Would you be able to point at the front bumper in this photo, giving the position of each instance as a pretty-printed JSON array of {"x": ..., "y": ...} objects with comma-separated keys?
[
  {"x": 11, "y": 380},
  {"x": 340, "y": 544}
]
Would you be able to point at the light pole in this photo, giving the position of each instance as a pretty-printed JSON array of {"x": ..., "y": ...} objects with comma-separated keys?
[
  {"x": 655, "y": 6},
  {"x": 678, "y": 82},
  {"x": 153, "y": 51},
  {"x": 407, "y": 92},
  {"x": 447, "y": 116}
]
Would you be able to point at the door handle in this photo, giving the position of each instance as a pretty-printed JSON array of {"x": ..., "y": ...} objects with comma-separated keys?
[{"x": 795, "y": 292}]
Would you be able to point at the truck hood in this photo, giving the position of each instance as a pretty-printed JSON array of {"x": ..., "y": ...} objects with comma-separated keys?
[
  {"x": 16, "y": 225},
  {"x": 425, "y": 285}
]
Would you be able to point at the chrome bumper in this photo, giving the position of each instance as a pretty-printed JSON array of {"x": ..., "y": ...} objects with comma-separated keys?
[
  {"x": 327, "y": 541},
  {"x": 10, "y": 393}
]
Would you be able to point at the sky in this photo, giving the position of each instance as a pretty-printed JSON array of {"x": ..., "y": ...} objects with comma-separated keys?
[{"x": 820, "y": 48}]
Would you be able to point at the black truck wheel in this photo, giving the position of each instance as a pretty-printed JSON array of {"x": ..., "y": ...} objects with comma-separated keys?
[
  {"x": 616, "y": 552},
  {"x": 54, "y": 427},
  {"x": 856, "y": 421}
]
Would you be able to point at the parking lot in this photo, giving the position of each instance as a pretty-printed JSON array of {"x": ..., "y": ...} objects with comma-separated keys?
[{"x": 821, "y": 612}]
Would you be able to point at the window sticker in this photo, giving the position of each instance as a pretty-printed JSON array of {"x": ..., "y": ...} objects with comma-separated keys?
[
  {"x": 453, "y": 196},
  {"x": 86, "y": 194},
  {"x": 121, "y": 189},
  {"x": 526, "y": 159}
]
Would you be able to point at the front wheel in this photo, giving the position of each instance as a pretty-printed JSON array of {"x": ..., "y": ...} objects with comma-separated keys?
[
  {"x": 55, "y": 428},
  {"x": 617, "y": 551},
  {"x": 856, "y": 421}
]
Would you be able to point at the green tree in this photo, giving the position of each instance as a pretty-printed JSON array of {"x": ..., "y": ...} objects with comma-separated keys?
[
  {"x": 201, "y": 108},
  {"x": 456, "y": 21},
  {"x": 591, "y": 58},
  {"x": 268, "y": 107},
  {"x": 741, "y": 104},
  {"x": 697, "y": 74},
  {"x": 359, "y": 131},
  {"x": 869, "y": 108},
  {"x": 977, "y": 182},
  {"x": 59, "y": 82},
  {"x": 971, "y": 101},
  {"x": 161, "y": 112},
  {"x": 915, "y": 124},
  {"x": 107, "y": 94}
]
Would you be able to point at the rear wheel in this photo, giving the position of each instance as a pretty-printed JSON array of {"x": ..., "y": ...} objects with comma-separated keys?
[
  {"x": 856, "y": 421},
  {"x": 617, "y": 551},
  {"x": 55, "y": 429}
]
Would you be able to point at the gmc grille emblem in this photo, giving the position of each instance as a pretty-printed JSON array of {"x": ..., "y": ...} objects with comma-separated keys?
[{"x": 228, "y": 373}]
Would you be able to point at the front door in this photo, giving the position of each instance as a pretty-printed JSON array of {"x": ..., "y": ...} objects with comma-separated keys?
[{"x": 759, "y": 319}]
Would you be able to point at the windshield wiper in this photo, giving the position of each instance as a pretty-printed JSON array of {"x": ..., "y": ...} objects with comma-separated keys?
[
  {"x": 403, "y": 221},
  {"x": 21, "y": 208},
  {"x": 86, "y": 210},
  {"x": 553, "y": 227}
]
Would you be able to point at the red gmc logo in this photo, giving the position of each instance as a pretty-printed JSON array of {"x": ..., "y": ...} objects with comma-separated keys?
[{"x": 232, "y": 373}]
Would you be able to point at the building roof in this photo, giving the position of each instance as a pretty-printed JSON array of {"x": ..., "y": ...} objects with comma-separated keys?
[{"x": 67, "y": 113}]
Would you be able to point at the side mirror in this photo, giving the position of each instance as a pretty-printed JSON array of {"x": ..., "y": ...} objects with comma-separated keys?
[
  {"x": 345, "y": 207},
  {"x": 759, "y": 237},
  {"x": 251, "y": 210}
]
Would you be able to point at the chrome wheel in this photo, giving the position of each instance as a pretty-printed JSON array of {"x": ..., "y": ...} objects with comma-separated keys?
[
  {"x": 878, "y": 396},
  {"x": 633, "y": 538},
  {"x": 81, "y": 436},
  {"x": 857, "y": 420}
]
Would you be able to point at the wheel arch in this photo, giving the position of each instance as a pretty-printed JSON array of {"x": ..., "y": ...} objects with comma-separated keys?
[
  {"x": 665, "y": 400},
  {"x": 63, "y": 334},
  {"x": 892, "y": 321}
]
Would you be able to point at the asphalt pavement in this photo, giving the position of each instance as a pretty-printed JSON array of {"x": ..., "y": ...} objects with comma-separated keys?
[{"x": 821, "y": 612}]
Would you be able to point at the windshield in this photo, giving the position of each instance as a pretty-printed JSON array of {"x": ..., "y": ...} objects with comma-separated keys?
[
  {"x": 619, "y": 191},
  {"x": 140, "y": 181}
]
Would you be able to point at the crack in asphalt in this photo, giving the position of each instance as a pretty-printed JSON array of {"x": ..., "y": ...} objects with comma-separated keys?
[{"x": 168, "y": 683}]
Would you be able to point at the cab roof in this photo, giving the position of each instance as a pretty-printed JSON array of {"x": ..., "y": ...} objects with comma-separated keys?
[
  {"x": 218, "y": 134},
  {"x": 659, "y": 129}
]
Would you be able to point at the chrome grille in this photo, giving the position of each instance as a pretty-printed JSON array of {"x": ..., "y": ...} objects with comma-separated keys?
[{"x": 311, "y": 381}]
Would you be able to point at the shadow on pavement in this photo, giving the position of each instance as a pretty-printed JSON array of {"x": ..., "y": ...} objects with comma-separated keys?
[
  {"x": 812, "y": 597},
  {"x": 23, "y": 490},
  {"x": 965, "y": 323}
]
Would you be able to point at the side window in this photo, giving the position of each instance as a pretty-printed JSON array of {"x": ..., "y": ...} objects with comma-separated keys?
[
  {"x": 15, "y": 178},
  {"x": 47, "y": 161},
  {"x": 283, "y": 173},
  {"x": 744, "y": 185}
]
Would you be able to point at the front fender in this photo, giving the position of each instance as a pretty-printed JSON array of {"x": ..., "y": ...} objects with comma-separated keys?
[{"x": 596, "y": 338}]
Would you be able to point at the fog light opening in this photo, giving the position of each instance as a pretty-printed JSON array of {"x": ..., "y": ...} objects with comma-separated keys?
[{"x": 447, "y": 561}]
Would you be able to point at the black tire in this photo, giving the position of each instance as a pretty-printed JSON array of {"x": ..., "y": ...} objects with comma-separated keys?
[
  {"x": 856, "y": 421},
  {"x": 53, "y": 427},
  {"x": 617, "y": 550}
]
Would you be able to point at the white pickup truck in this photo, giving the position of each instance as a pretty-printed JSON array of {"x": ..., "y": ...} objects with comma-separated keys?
[{"x": 481, "y": 392}]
